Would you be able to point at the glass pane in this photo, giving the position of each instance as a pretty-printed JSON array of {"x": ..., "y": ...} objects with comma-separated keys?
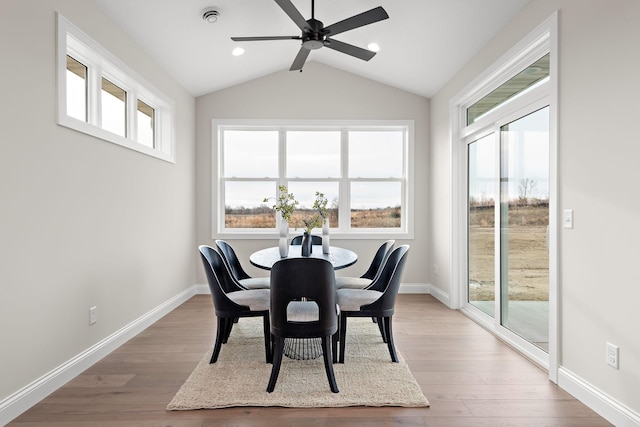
[
  {"x": 376, "y": 154},
  {"x": 114, "y": 108},
  {"x": 250, "y": 154},
  {"x": 146, "y": 117},
  {"x": 76, "y": 89},
  {"x": 305, "y": 193},
  {"x": 524, "y": 220},
  {"x": 481, "y": 228},
  {"x": 527, "y": 78},
  {"x": 244, "y": 206},
  {"x": 313, "y": 154},
  {"x": 376, "y": 204}
]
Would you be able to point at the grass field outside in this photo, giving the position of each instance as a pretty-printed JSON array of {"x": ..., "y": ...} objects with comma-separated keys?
[
  {"x": 528, "y": 259},
  {"x": 265, "y": 217}
]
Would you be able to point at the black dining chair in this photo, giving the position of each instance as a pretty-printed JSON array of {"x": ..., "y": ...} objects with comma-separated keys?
[
  {"x": 303, "y": 305},
  {"x": 374, "y": 269},
  {"x": 231, "y": 302},
  {"x": 315, "y": 240},
  {"x": 377, "y": 300},
  {"x": 233, "y": 264}
]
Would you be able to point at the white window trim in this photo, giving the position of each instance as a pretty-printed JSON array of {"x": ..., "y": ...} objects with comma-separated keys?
[
  {"x": 217, "y": 209},
  {"x": 100, "y": 62},
  {"x": 542, "y": 40}
]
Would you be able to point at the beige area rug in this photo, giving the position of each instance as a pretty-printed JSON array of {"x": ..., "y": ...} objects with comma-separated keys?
[{"x": 240, "y": 376}]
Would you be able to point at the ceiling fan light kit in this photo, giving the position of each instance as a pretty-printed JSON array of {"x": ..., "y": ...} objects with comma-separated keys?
[{"x": 315, "y": 35}]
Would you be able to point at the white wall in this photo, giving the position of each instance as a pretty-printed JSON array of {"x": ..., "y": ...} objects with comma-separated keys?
[
  {"x": 598, "y": 154},
  {"x": 320, "y": 92},
  {"x": 83, "y": 222}
]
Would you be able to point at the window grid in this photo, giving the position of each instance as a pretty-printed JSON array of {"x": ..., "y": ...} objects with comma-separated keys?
[{"x": 344, "y": 182}]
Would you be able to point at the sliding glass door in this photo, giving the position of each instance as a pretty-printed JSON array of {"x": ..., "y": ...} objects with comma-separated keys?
[
  {"x": 504, "y": 203},
  {"x": 507, "y": 225},
  {"x": 483, "y": 193},
  {"x": 524, "y": 222}
]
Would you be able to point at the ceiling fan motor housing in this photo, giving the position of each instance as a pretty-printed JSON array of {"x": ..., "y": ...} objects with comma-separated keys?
[{"x": 313, "y": 39}]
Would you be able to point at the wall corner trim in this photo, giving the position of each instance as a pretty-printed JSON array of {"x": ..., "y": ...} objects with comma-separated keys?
[{"x": 440, "y": 295}]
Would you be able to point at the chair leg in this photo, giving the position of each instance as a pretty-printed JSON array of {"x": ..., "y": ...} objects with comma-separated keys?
[
  {"x": 328, "y": 366},
  {"x": 381, "y": 327},
  {"x": 267, "y": 338},
  {"x": 220, "y": 333},
  {"x": 390, "y": 344},
  {"x": 334, "y": 347},
  {"x": 278, "y": 347},
  {"x": 343, "y": 335},
  {"x": 228, "y": 326}
]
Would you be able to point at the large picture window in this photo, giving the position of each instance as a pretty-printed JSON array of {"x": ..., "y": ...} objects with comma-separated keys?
[{"x": 362, "y": 168}]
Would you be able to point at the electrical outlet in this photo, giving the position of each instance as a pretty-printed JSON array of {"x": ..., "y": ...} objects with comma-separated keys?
[
  {"x": 435, "y": 269},
  {"x": 613, "y": 355},
  {"x": 93, "y": 315}
]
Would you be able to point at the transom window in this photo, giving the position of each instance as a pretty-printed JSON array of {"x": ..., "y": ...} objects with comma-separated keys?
[
  {"x": 363, "y": 169},
  {"x": 531, "y": 76},
  {"x": 100, "y": 96}
]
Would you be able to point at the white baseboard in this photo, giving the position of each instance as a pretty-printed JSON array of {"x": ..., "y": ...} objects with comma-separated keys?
[
  {"x": 413, "y": 288},
  {"x": 607, "y": 407},
  {"x": 23, "y": 399},
  {"x": 439, "y": 294},
  {"x": 14, "y": 405},
  {"x": 202, "y": 289}
]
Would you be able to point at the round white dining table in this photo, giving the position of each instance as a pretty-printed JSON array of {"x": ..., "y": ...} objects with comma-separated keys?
[{"x": 339, "y": 257}]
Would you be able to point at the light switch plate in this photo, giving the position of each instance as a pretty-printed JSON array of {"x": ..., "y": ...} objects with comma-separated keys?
[{"x": 567, "y": 219}]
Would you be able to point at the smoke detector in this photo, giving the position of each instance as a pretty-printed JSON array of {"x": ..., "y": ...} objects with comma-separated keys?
[{"x": 210, "y": 15}]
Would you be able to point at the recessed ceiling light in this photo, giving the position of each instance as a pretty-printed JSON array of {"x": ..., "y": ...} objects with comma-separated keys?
[
  {"x": 237, "y": 51},
  {"x": 373, "y": 47}
]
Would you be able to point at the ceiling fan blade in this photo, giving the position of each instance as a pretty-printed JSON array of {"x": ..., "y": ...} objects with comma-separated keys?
[
  {"x": 250, "y": 39},
  {"x": 364, "y": 18},
  {"x": 301, "y": 57},
  {"x": 349, "y": 49},
  {"x": 294, "y": 14}
]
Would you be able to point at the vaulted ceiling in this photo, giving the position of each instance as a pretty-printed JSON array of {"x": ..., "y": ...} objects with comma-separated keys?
[{"x": 422, "y": 44}]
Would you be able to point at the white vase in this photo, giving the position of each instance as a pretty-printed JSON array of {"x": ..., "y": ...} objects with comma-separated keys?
[
  {"x": 325, "y": 236},
  {"x": 283, "y": 243},
  {"x": 283, "y": 228}
]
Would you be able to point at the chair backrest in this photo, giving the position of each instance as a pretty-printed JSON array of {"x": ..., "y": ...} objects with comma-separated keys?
[
  {"x": 220, "y": 281},
  {"x": 388, "y": 282},
  {"x": 315, "y": 240},
  {"x": 378, "y": 259},
  {"x": 231, "y": 260},
  {"x": 303, "y": 279}
]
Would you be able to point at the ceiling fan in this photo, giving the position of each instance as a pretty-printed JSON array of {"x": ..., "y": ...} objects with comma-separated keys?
[{"x": 315, "y": 35}]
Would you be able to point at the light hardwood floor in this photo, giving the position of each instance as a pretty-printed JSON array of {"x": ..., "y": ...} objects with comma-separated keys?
[{"x": 470, "y": 378}]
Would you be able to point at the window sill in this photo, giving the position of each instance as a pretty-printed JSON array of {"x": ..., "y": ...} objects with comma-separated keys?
[{"x": 89, "y": 129}]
